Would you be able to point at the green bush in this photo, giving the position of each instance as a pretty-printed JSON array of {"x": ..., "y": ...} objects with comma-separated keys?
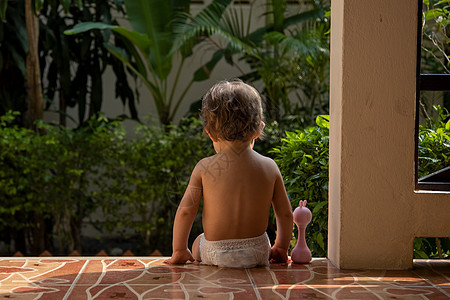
[
  {"x": 19, "y": 176},
  {"x": 303, "y": 161},
  {"x": 75, "y": 159},
  {"x": 432, "y": 248},
  {"x": 55, "y": 181},
  {"x": 148, "y": 180},
  {"x": 47, "y": 180},
  {"x": 434, "y": 143}
]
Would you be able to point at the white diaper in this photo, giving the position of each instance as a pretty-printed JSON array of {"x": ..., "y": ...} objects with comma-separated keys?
[{"x": 236, "y": 253}]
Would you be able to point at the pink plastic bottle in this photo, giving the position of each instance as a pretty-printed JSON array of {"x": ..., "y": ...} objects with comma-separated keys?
[{"x": 302, "y": 216}]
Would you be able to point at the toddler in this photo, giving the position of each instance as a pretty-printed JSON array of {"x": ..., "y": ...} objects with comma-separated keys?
[{"x": 237, "y": 185}]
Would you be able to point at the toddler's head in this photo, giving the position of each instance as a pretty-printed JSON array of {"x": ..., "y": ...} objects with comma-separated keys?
[{"x": 232, "y": 110}]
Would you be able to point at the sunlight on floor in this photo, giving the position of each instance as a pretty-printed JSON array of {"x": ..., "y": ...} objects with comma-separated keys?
[{"x": 149, "y": 277}]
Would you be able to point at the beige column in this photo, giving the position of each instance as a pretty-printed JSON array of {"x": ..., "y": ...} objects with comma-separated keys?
[{"x": 374, "y": 212}]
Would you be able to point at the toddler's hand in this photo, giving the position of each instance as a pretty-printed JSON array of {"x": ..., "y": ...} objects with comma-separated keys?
[
  {"x": 278, "y": 255},
  {"x": 180, "y": 257}
]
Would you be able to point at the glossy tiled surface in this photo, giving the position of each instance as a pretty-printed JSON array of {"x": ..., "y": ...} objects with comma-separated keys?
[{"x": 150, "y": 278}]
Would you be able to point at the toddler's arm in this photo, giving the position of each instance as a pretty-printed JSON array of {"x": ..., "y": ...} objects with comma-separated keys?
[
  {"x": 283, "y": 213},
  {"x": 184, "y": 218}
]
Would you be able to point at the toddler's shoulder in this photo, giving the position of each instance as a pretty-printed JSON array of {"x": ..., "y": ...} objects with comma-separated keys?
[
  {"x": 204, "y": 164},
  {"x": 206, "y": 161},
  {"x": 268, "y": 162}
]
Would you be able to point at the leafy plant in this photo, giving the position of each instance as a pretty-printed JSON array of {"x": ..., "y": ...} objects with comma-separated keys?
[
  {"x": 436, "y": 44},
  {"x": 147, "y": 180},
  {"x": 434, "y": 133},
  {"x": 46, "y": 199},
  {"x": 20, "y": 175},
  {"x": 82, "y": 154},
  {"x": 277, "y": 52},
  {"x": 426, "y": 248},
  {"x": 151, "y": 50},
  {"x": 74, "y": 65},
  {"x": 434, "y": 143},
  {"x": 136, "y": 183},
  {"x": 303, "y": 161},
  {"x": 71, "y": 78}
]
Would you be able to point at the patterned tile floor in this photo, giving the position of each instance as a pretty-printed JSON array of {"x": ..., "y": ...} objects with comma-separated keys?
[{"x": 149, "y": 278}]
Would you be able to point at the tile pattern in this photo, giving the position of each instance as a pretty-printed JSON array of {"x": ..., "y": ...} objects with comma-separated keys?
[{"x": 149, "y": 278}]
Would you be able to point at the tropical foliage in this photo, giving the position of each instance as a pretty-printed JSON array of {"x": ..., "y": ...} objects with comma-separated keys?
[
  {"x": 434, "y": 143},
  {"x": 99, "y": 170},
  {"x": 71, "y": 78},
  {"x": 45, "y": 199},
  {"x": 146, "y": 180},
  {"x": 119, "y": 185},
  {"x": 288, "y": 55},
  {"x": 150, "y": 51},
  {"x": 436, "y": 45},
  {"x": 303, "y": 160},
  {"x": 74, "y": 66},
  {"x": 426, "y": 248}
]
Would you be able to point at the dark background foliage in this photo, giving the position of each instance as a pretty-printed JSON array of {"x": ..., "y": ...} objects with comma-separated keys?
[{"x": 71, "y": 66}]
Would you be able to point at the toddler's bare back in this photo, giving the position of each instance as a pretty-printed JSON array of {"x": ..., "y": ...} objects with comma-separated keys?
[{"x": 238, "y": 188}]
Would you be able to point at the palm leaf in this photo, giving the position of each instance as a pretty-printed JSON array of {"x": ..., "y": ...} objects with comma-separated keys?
[
  {"x": 303, "y": 17},
  {"x": 153, "y": 18},
  {"x": 301, "y": 43},
  {"x": 278, "y": 9},
  {"x": 257, "y": 36},
  {"x": 207, "y": 27},
  {"x": 66, "y": 5},
  {"x": 196, "y": 27},
  {"x": 86, "y": 26},
  {"x": 147, "y": 17},
  {"x": 3, "y": 7},
  {"x": 141, "y": 41}
]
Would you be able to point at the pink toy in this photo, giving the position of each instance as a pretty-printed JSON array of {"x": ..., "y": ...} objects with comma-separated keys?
[{"x": 302, "y": 216}]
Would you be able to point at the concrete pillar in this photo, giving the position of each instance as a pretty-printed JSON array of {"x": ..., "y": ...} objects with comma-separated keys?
[{"x": 374, "y": 211}]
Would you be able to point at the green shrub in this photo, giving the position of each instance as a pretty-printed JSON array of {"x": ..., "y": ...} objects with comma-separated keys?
[
  {"x": 303, "y": 161},
  {"x": 434, "y": 143},
  {"x": 75, "y": 158},
  {"x": 275, "y": 131},
  {"x": 56, "y": 180},
  {"x": 148, "y": 180},
  {"x": 47, "y": 180},
  {"x": 19, "y": 176},
  {"x": 426, "y": 248}
]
